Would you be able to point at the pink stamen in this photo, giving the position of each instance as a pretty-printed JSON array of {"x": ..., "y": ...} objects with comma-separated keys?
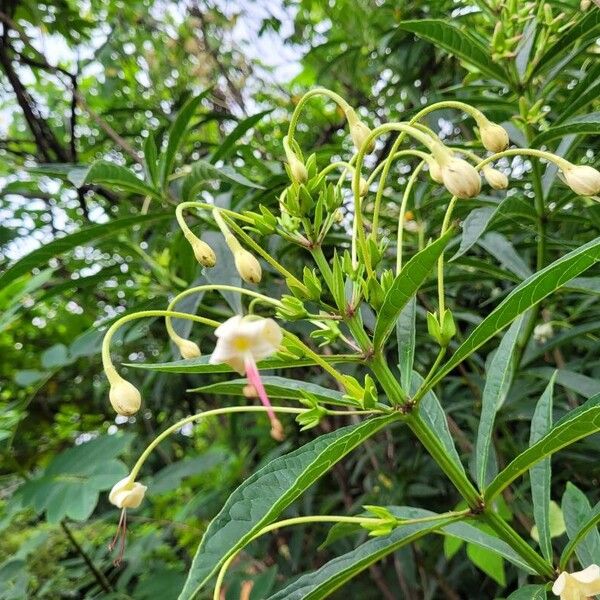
[
  {"x": 254, "y": 378},
  {"x": 120, "y": 535}
]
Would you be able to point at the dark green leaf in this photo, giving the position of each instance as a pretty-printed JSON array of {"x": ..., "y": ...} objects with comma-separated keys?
[
  {"x": 584, "y": 124},
  {"x": 224, "y": 149},
  {"x": 578, "y": 513}
]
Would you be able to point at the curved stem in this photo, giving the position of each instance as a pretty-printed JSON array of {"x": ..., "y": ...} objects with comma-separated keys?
[
  {"x": 561, "y": 163},
  {"x": 405, "y": 196},
  {"x": 212, "y": 287},
  {"x": 462, "y": 106},
  {"x": 109, "y": 369}
]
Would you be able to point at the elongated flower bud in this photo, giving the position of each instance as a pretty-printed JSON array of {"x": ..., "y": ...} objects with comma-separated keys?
[
  {"x": 124, "y": 397},
  {"x": 359, "y": 132},
  {"x": 187, "y": 348},
  {"x": 460, "y": 178},
  {"x": 247, "y": 266},
  {"x": 363, "y": 187},
  {"x": 493, "y": 136},
  {"x": 496, "y": 179},
  {"x": 202, "y": 251},
  {"x": 297, "y": 168},
  {"x": 583, "y": 179},
  {"x": 435, "y": 171}
]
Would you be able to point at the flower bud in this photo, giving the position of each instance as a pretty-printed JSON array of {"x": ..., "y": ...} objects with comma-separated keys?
[
  {"x": 202, "y": 251},
  {"x": 297, "y": 168},
  {"x": 493, "y": 136},
  {"x": 187, "y": 348},
  {"x": 247, "y": 266},
  {"x": 338, "y": 215},
  {"x": 583, "y": 179},
  {"x": 363, "y": 187},
  {"x": 584, "y": 5},
  {"x": 460, "y": 178},
  {"x": 249, "y": 392},
  {"x": 277, "y": 432},
  {"x": 496, "y": 179},
  {"x": 127, "y": 493},
  {"x": 359, "y": 132},
  {"x": 124, "y": 397},
  {"x": 435, "y": 171},
  {"x": 543, "y": 332}
]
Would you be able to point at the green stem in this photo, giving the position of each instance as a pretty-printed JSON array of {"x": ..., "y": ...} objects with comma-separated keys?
[
  {"x": 440, "y": 263},
  {"x": 391, "y": 387},
  {"x": 435, "y": 448},
  {"x": 518, "y": 544}
]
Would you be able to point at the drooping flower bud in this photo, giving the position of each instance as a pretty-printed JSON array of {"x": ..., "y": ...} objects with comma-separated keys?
[
  {"x": 202, "y": 251},
  {"x": 496, "y": 179},
  {"x": 359, "y": 132},
  {"x": 435, "y": 171},
  {"x": 297, "y": 168},
  {"x": 277, "y": 431},
  {"x": 247, "y": 266},
  {"x": 127, "y": 493},
  {"x": 363, "y": 187},
  {"x": 493, "y": 136},
  {"x": 582, "y": 179},
  {"x": 187, "y": 348},
  {"x": 460, "y": 178},
  {"x": 124, "y": 397}
]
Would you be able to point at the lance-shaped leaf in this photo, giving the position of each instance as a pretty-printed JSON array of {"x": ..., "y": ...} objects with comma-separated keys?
[
  {"x": 523, "y": 297},
  {"x": 279, "y": 387},
  {"x": 584, "y": 124},
  {"x": 38, "y": 258},
  {"x": 529, "y": 592},
  {"x": 225, "y": 148},
  {"x": 405, "y": 286},
  {"x": 575, "y": 425},
  {"x": 457, "y": 42},
  {"x": 264, "y": 495},
  {"x": 578, "y": 516},
  {"x": 540, "y": 473}
]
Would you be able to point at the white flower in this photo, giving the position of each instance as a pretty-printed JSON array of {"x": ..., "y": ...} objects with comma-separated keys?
[
  {"x": 579, "y": 585},
  {"x": 542, "y": 333},
  {"x": 243, "y": 340},
  {"x": 127, "y": 493}
]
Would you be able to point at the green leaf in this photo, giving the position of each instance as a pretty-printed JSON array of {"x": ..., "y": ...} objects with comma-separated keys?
[
  {"x": 266, "y": 493},
  {"x": 576, "y": 535},
  {"x": 582, "y": 384},
  {"x": 584, "y": 124},
  {"x": 540, "y": 474},
  {"x": 103, "y": 172},
  {"x": 405, "y": 286},
  {"x": 529, "y": 592},
  {"x": 202, "y": 172},
  {"x": 584, "y": 30},
  {"x": 406, "y": 339},
  {"x": 279, "y": 387},
  {"x": 488, "y": 561},
  {"x": 523, "y": 297},
  {"x": 38, "y": 258},
  {"x": 70, "y": 485},
  {"x": 177, "y": 135},
  {"x": 504, "y": 252},
  {"x": 224, "y": 149},
  {"x": 578, "y": 514},
  {"x": 575, "y": 425},
  {"x": 332, "y": 575},
  {"x": 457, "y": 42},
  {"x": 201, "y": 364},
  {"x": 151, "y": 159},
  {"x": 473, "y": 228},
  {"x": 497, "y": 383}
]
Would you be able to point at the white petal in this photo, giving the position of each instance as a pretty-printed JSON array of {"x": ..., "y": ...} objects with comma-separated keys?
[{"x": 589, "y": 575}]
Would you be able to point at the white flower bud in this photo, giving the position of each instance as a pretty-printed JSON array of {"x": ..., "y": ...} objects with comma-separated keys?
[
  {"x": 202, "y": 251},
  {"x": 187, "y": 348},
  {"x": 247, "y": 266},
  {"x": 460, "y": 178},
  {"x": 435, "y": 171},
  {"x": 127, "y": 493},
  {"x": 124, "y": 397},
  {"x": 493, "y": 136},
  {"x": 297, "y": 168},
  {"x": 363, "y": 187},
  {"x": 496, "y": 179},
  {"x": 359, "y": 132},
  {"x": 583, "y": 179}
]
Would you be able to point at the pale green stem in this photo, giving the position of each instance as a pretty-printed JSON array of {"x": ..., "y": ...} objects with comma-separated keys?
[
  {"x": 467, "y": 108},
  {"x": 419, "y": 153},
  {"x": 208, "y": 288},
  {"x": 325, "y": 519},
  {"x": 561, "y": 163},
  {"x": 440, "y": 264},
  {"x": 310, "y": 94},
  {"x": 230, "y": 239},
  {"x": 107, "y": 364},
  {"x": 405, "y": 196}
]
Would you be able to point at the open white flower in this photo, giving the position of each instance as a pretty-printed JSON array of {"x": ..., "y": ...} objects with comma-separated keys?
[
  {"x": 579, "y": 585},
  {"x": 245, "y": 340},
  {"x": 241, "y": 343},
  {"x": 127, "y": 493}
]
